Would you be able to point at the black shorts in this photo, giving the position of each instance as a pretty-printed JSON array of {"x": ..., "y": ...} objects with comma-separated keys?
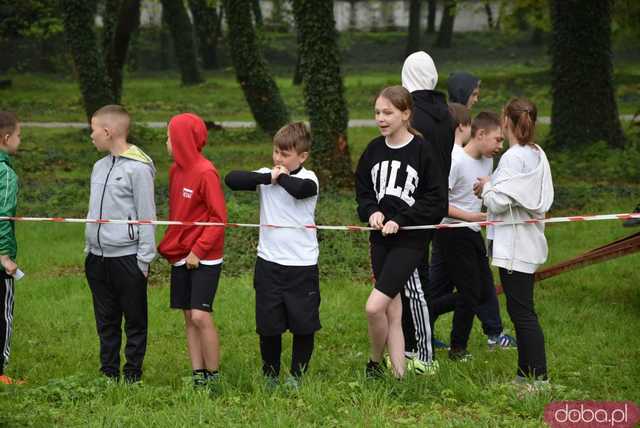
[
  {"x": 194, "y": 288},
  {"x": 287, "y": 297},
  {"x": 393, "y": 266}
]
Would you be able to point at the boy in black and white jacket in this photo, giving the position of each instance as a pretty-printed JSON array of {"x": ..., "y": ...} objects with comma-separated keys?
[{"x": 286, "y": 274}]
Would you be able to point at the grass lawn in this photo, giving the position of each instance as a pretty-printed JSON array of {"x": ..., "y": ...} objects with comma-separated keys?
[{"x": 589, "y": 316}]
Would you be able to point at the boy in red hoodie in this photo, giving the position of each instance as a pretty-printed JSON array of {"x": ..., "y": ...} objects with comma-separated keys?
[{"x": 195, "y": 252}]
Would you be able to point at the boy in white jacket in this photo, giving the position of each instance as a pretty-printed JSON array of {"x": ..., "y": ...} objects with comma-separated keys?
[{"x": 521, "y": 188}]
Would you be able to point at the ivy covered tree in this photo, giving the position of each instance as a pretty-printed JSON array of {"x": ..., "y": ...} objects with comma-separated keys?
[
  {"x": 78, "y": 18},
  {"x": 207, "y": 20},
  {"x": 177, "y": 19},
  {"x": 259, "y": 88},
  {"x": 324, "y": 91},
  {"x": 257, "y": 13},
  {"x": 121, "y": 21},
  {"x": 584, "y": 107}
]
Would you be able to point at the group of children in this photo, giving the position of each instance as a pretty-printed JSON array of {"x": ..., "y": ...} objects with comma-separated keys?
[{"x": 401, "y": 180}]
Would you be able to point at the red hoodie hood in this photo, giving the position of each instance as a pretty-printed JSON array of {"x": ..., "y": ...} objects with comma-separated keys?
[{"x": 188, "y": 135}]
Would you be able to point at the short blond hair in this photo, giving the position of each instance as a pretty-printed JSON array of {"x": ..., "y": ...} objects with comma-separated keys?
[
  {"x": 116, "y": 116},
  {"x": 293, "y": 136}
]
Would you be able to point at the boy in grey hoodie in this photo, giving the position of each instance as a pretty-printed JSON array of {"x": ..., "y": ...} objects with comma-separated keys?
[{"x": 118, "y": 255}]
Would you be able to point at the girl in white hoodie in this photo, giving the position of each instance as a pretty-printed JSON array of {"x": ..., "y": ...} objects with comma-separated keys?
[{"x": 520, "y": 188}]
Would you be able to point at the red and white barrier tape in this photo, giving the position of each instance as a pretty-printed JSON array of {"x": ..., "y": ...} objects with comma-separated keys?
[{"x": 571, "y": 219}]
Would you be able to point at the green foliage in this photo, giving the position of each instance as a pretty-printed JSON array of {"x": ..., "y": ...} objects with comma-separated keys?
[
  {"x": 324, "y": 91},
  {"x": 260, "y": 89},
  {"x": 584, "y": 106},
  {"x": 626, "y": 15},
  {"x": 175, "y": 15},
  {"x": 78, "y": 17},
  {"x": 35, "y": 19},
  {"x": 525, "y": 15}
]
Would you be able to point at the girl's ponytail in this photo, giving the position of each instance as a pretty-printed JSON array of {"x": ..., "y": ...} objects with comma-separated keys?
[{"x": 522, "y": 115}]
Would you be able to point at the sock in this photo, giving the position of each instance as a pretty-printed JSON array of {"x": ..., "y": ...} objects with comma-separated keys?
[
  {"x": 270, "y": 350},
  {"x": 301, "y": 353}
]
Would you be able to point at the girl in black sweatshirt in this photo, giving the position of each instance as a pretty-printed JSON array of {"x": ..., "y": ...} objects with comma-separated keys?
[{"x": 398, "y": 184}]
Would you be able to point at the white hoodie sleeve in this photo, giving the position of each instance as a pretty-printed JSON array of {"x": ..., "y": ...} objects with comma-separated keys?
[{"x": 495, "y": 201}]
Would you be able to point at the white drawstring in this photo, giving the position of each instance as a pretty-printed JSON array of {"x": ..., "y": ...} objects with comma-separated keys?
[{"x": 513, "y": 242}]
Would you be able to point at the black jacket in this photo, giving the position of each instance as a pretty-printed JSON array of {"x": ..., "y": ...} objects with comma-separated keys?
[{"x": 432, "y": 119}]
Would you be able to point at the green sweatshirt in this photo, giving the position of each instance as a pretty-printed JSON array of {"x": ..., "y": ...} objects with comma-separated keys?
[{"x": 8, "y": 202}]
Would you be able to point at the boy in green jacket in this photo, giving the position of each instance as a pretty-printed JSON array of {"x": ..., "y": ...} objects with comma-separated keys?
[{"x": 9, "y": 142}]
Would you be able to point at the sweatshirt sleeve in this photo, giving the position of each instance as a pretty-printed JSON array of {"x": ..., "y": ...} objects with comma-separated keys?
[
  {"x": 145, "y": 204},
  {"x": 495, "y": 201},
  {"x": 246, "y": 180},
  {"x": 431, "y": 200},
  {"x": 213, "y": 197},
  {"x": 299, "y": 188},
  {"x": 8, "y": 200},
  {"x": 365, "y": 192}
]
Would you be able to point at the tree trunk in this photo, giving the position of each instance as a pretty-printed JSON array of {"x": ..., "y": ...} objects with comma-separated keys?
[
  {"x": 297, "y": 72},
  {"x": 584, "y": 107},
  {"x": 324, "y": 91},
  {"x": 445, "y": 34},
  {"x": 431, "y": 17},
  {"x": 277, "y": 16},
  {"x": 183, "y": 40},
  {"x": 165, "y": 43},
  {"x": 78, "y": 18},
  {"x": 257, "y": 13},
  {"x": 413, "y": 39},
  {"x": 206, "y": 21},
  {"x": 489, "y": 12},
  {"x": 353, "y": 15},
  {"x": 260, "y": 89},
  {"x": 116, "y": 48}
]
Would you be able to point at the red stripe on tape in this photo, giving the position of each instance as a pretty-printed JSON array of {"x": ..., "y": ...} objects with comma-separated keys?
[{"x": 576, "y": 218}]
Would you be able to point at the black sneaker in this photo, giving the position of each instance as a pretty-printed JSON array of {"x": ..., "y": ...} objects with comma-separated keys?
[
  {"x": 199, "y": 378},
  {"x": 459, "y": 354},
  {"x": 374, "y": 370},
  {"x": 633, "y": 221}
]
